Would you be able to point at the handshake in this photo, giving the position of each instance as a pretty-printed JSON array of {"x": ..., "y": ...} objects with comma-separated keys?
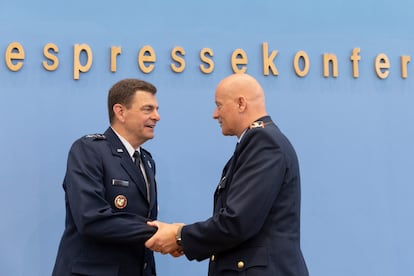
[{"x": 166, "y": 239}]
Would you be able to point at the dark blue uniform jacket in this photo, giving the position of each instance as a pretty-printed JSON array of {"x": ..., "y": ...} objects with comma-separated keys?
[
  {"x": 106, "y": 211},
  {"x": 255, "y": 227}
]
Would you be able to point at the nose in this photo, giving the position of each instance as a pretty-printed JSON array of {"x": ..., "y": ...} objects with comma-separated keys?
[
  {"x": 215, "y": 113},
  {"x": 156, "y": 116}
]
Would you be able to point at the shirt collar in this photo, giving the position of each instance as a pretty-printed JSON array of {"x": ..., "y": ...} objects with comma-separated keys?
[
  {"x": 241, "y": 136},
  {"x": 127, "y": 145}
]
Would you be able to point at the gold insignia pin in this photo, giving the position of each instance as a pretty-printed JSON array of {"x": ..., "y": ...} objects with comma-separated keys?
[
  {"x": 120, "y": 201},
  {"x": 257, "y": 124}
]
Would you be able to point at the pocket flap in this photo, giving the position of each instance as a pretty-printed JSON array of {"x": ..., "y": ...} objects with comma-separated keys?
[{"x": 245, "y": 258}]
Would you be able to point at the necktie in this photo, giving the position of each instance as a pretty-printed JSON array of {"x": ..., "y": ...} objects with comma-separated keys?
[
  {"x": 140, "y": 165},
  {"x": 137, "y": 158}
]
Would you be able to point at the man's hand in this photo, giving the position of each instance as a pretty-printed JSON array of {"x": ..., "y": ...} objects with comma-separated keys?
[{"x": 165, "y": 239}]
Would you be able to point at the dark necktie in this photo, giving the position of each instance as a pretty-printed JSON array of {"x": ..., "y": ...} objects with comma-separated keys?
[
  {"x": 137, "y": 158},
  {"x": 137, "y": 161}
]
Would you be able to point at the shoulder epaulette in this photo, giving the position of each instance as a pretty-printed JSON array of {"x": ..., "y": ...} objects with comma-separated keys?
[
  {"x": 96, "y": 136},
  {"x": 257, "y": 124}
]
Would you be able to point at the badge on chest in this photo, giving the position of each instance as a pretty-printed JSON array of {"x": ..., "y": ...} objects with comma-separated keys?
[{"x": 120, "y": 201}]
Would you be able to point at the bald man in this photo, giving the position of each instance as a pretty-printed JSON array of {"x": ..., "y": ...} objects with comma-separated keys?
[{"x": 255, "y": 227}]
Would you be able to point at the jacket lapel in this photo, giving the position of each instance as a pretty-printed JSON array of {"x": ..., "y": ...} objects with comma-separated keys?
[{"x": 149, "y": 170}]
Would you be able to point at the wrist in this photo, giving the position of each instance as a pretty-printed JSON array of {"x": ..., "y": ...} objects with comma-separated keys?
[{"x": 178, "y": 236}]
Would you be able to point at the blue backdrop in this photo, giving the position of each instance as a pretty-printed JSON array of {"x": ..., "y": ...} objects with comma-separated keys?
[{"x": 354, "y": 136}]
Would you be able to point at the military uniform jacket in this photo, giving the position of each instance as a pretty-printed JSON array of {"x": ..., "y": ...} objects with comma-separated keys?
[
  {"x": 255, "y": 227},
  {"x": 106, "y": 210}
]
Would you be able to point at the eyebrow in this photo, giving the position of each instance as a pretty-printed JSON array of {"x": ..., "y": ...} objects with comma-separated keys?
[{"x": 149, "y": 106}]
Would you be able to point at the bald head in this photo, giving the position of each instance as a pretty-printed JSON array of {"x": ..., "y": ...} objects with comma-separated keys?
[
  {"x": 241, "y": 84},
  {"x": 240, "y": 101}
]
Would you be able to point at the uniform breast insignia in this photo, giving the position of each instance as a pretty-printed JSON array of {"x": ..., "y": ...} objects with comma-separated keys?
[
  {"x": 120, "y": 201},
  {"x": 96, "y": 136},
  {"x": 257, "y": 124}
]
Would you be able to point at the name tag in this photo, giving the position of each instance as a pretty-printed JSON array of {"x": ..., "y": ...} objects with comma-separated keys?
[{"x": 118, "y": 182}]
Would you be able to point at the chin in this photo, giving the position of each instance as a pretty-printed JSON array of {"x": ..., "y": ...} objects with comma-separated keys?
[{"x": 150, "y": 136}]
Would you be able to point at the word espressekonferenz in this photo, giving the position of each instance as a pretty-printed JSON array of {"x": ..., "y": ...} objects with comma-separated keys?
[{"x": 146, "y": 59}]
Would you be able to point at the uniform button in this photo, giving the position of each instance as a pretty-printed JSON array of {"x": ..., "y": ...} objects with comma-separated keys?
[
  {"x": 240, "y": 265},
  {"x": 145, "y": 265},
  {"x": 212, "y": 258}
]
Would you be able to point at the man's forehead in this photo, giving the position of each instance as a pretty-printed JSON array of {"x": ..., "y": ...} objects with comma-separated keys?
[
  {"x": 142, "y": 95},
  {"x": 221, "y": 97},
  {"x": 146, "y": 102}
]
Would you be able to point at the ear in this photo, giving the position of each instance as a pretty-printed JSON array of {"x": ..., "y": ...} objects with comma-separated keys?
[
  {"x": 242, "y": 103},
  {"x": 119, "y": 111}
]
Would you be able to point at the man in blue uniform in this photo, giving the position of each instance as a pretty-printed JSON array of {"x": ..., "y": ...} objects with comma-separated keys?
[
  {"x": 255, "y": 227},
  {"x": 110, "y": 191}
]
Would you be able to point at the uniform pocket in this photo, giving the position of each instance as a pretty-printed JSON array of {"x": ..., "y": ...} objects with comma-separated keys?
[{"x": 244, "y": 259}]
